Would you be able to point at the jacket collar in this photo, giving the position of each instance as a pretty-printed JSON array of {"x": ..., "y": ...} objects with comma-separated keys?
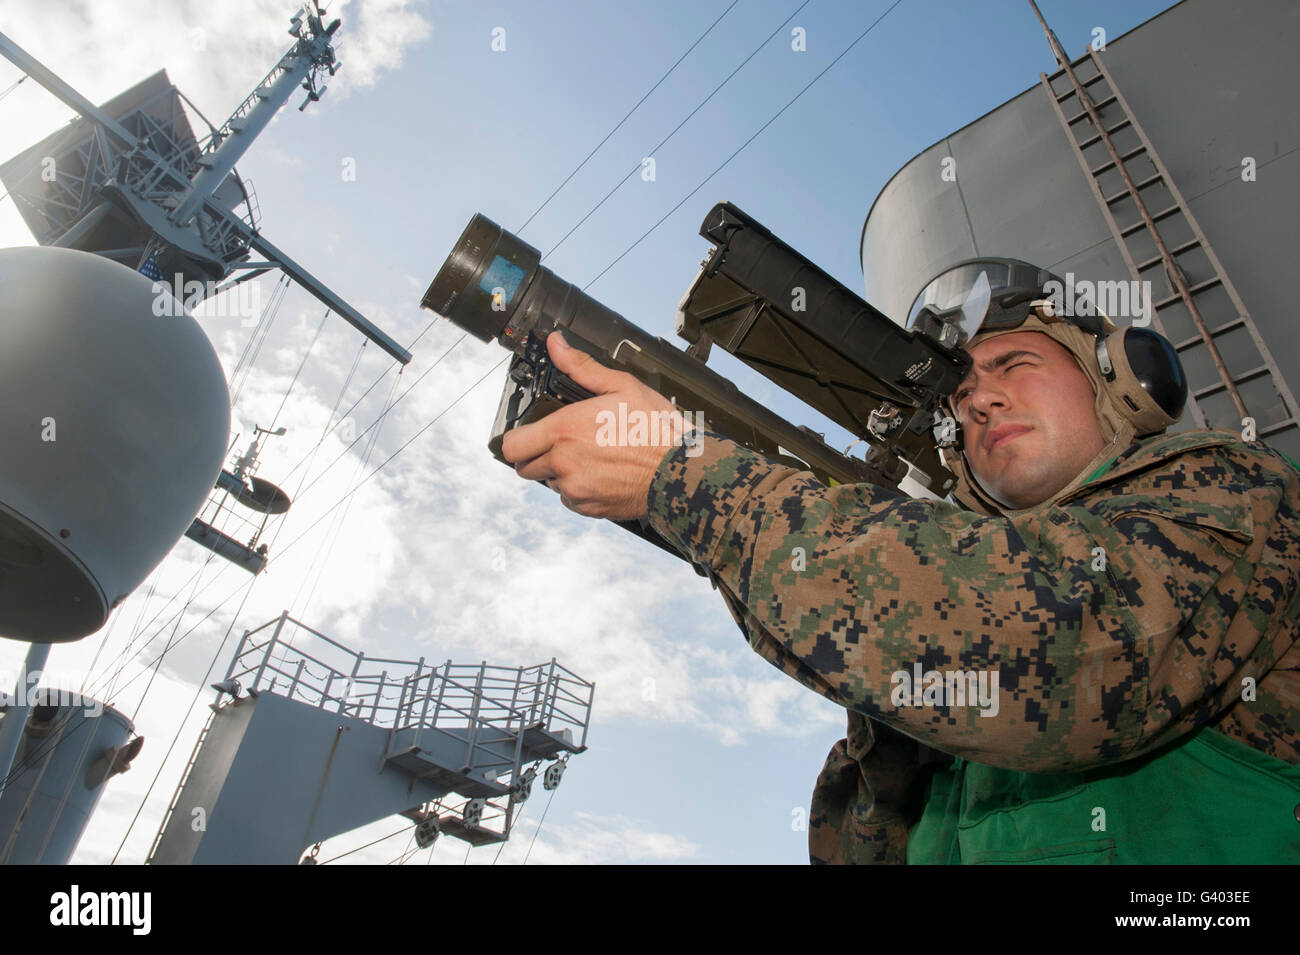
[{"x": 1139, "y": 456}]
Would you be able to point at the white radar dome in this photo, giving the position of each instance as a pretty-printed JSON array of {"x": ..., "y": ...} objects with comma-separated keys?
[{"x": 113, "y": 428}]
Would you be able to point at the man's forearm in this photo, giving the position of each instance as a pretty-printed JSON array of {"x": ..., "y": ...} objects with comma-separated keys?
[{"x": 868, "y": 597}]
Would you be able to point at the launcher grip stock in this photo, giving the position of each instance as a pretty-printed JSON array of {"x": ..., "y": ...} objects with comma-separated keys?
[{"x": 494, "y": 286}]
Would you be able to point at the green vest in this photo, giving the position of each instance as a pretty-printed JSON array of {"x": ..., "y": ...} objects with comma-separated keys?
[{"x": 1207, "y": 799}]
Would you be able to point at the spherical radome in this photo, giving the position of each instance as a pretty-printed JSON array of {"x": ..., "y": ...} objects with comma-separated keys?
[{"x": 114, "y": 423}]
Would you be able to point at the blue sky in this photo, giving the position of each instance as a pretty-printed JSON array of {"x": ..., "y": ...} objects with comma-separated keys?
[{"x": 700, "y": 751}]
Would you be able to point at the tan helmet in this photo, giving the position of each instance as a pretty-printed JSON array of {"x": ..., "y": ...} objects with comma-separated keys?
[{"x": 1136, "y": 377}]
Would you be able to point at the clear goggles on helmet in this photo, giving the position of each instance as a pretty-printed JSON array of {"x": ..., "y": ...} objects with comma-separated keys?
[{"x": 985, "y": 295}]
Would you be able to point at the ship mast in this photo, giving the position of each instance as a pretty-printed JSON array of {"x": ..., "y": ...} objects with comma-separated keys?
[
  {"x": 137, "y": 190},
  {"x": 310, "y": 56}
]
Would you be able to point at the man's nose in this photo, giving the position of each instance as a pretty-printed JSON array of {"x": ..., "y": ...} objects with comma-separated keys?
[{"x": 986, "y": 397}]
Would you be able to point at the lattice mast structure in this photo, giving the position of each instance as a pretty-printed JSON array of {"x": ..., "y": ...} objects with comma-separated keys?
[{"x": 133, "y": 183}]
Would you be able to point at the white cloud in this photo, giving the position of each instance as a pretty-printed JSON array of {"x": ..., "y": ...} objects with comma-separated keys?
[{"x": 382, "y": 32}]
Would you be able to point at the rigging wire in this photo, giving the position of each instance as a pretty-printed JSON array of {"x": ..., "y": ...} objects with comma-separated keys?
[
  {"x": 347, "y": 383},
  {"x": 336, "y": 526},
  {"x": 98, "y": 683},
  {"x": 333, "y": 426},
  {"x": 661, "y": 143},
  {"x": 37, "y": 752},
  {"x": 12, "y": 839},
  {"x": 539, "y": 826},
  {"x": 433, "y": 321},
  {"x": 406, "y": 852},
  {"x": 522, "y": 810},
  {"x": 626, "y": 116},
  {"x": 198, "y": 690},
  {"x": 287, "y": 547},
  {"x": 306, "y": 457},
  {"x": 67, "y": 789},
  {"x": 311, "y": 456},
  {"x": 379, "y": 418},
  {"x": 743, "y": 145},
  {"x": 352, "y": 407},
  {"x": 432, "y": 421},
  {"x": 366, "y": 846},
  {"x": 230, "y": 596},
  {"x": 500, "y": 363},
  {"x": 112, "y": 625},
  {"x": 302, "y": 364},
  {"x": 104, "y": 679},
  {"x": 170, "y": 641},
  {"x": 273, "y": 308},
  {"x": 13, "y": 86},
  {"x": 288, "y": 391},
  {"x": 253, "y": 347},
  {"x": 279, "y": 527}
]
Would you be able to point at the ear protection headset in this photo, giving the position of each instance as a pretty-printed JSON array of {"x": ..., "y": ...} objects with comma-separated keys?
[{"x": 1143, "y": 372}]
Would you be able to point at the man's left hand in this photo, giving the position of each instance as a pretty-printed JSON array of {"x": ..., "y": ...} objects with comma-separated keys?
[{"x": 596, "y": 471}]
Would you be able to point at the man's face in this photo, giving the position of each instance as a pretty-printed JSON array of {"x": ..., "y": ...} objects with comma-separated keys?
[{"x": 1027, "y": 418}]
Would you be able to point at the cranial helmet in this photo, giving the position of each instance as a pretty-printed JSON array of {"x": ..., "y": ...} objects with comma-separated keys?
[{"x": 1135, "y": 373}]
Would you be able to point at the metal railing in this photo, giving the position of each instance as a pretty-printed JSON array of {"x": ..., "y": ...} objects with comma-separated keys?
[
  {"x": 287, "y": 657},
  {"x": 213, "y": 141},
  {"x": 502, "y": 716}
]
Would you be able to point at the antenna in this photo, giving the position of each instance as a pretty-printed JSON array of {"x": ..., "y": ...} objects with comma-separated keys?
[
  {"x": 151, "y": 195},
  {"x": 311, "y": 55}
]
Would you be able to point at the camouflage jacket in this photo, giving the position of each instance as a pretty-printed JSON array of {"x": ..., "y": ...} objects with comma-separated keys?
[{"x": 1161, "y": 596}]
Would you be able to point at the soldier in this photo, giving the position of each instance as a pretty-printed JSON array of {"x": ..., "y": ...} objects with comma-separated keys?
[{"x": 1090, "y": 657}]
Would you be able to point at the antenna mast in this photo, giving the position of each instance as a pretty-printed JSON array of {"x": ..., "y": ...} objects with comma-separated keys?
[{"x": 311, "y": 55}]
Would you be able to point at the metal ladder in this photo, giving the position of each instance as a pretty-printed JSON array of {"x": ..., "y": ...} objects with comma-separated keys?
[
  {"x": 180, "y": 786},
  {"x": 1202, "y": 310}
]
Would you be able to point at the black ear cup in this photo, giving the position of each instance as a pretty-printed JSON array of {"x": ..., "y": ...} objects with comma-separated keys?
[
  {"x": 1155, "y": 365},
  {"x": 1145, "y": 377}
]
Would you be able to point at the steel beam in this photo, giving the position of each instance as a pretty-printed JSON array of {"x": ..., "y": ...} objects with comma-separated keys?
[{"x": 52, "y": 82}]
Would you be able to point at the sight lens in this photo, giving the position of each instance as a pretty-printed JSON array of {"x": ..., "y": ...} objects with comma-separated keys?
[{"x": 483, "y": 279}]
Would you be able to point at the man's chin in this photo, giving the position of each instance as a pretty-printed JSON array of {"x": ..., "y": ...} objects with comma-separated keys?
[{"x": 1017, "y": 490}]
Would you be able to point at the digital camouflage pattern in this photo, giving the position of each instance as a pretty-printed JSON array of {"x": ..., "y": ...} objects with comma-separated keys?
[{"x": 1197, "y": 600}]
